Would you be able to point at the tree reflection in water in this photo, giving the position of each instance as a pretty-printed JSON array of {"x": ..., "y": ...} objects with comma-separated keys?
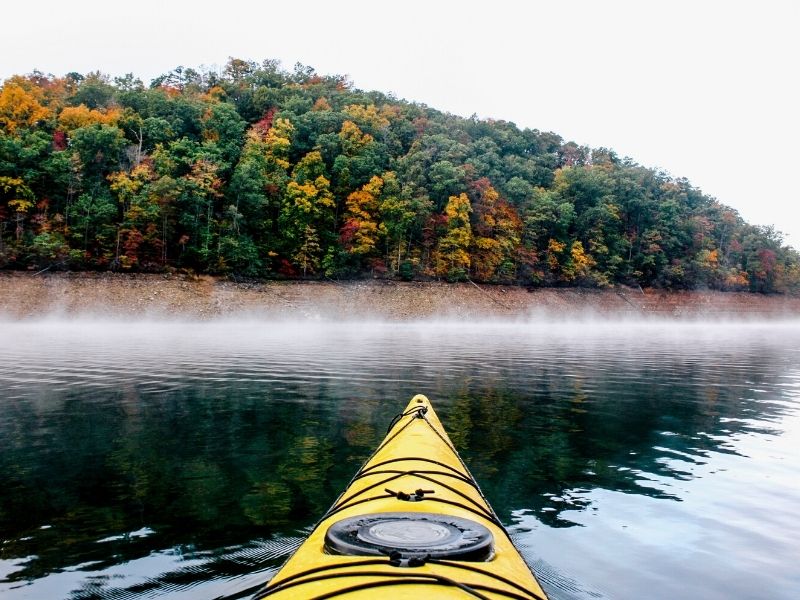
[{"x": 216, "y": 466}]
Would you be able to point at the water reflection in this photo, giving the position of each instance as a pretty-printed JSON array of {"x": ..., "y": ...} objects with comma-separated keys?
[{"x": 168, "y": 458}]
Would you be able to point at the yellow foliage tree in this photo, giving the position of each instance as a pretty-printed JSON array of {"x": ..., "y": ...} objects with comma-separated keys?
[
  {"x": 582, "y": 263},
  {"x": 75, "y": 117},
  {"x": 20, "y": 107},
  {"x": 554, "y": 250},
  {"x": 128, "y": 185},
  {"x": 308, "y": 212},
  {"x": 353, "y": 139},
  {"x": 452, "y": 258},
  {"x": 497, "y": 231},
  {"x": 368, "y": 115},
  {"x": 361, "y": 231},
  {"x": 279, "y": 142},
  {"x": 19, "y": 198}
]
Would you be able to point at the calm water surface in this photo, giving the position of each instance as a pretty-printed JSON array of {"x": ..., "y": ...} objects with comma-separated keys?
[{"x": 186, "y": 460}]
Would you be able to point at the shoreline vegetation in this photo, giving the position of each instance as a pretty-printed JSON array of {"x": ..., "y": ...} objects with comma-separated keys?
[
  {"x": 254, "y": 171},
  {"x": 185, "y": 297}
]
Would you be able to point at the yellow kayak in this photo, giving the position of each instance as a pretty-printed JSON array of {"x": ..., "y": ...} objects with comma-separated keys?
[{"x": 412, "y": 524}]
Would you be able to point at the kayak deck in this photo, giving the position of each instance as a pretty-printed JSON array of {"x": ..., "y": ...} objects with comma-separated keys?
[{"x": 414, "y": 486}]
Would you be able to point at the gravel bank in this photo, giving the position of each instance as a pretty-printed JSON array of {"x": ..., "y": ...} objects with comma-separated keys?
[{"x": 25, "y": 295}]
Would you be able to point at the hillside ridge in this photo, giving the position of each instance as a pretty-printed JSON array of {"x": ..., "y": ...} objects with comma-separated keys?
[{"x": 259, "y": 172}]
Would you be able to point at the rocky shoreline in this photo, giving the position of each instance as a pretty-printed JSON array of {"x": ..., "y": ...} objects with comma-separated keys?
[{"x": 135, "y": 296}]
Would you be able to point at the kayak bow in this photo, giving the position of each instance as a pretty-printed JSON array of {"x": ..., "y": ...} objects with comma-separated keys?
[{"x": 412, "y": 524}]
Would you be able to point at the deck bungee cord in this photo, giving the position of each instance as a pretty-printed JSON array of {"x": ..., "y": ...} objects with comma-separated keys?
[
  {"x": 413, "y": 523},
  {"x": 293, "y": 580}
]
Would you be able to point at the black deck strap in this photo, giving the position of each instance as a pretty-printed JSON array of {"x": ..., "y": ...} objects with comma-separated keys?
[
  {"x": 396, "y": 560},
  {"x": 345, "y": 502},
  {"x": 360, "y": 563},
  {"x": 466, "y": 470},
  {"x": 363, "y": 471},
  {"x": 366, "y": 471},
  {"x": 413, "y": 580},
  {"x": 488, "y": 514},
  {"x": 288, "y": 581},
  {"x": 398, "y": 416},
  {"x": 339, "y": 500},
  {"x": 484, "y": 514},
  {"x": 469, "y": 567},
  {"x": 341, "y": 503},
  {"x": 481, "y": 513},
  {"x": 392, "y": 579},
  {"x": 446, "y": 441},
  {"x": 339, "y": 508},
  {"x": 391, "y": 437},
  {"x": 456, "y": 476},
  {"x": 415, "y": 496},
  {"x": 417, "y": 411}
]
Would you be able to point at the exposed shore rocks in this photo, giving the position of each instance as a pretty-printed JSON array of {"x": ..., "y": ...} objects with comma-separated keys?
[{"x": 114, "y": 295}]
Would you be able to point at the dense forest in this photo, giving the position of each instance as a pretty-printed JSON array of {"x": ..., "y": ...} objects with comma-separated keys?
[{"x": 256, "y": 171}]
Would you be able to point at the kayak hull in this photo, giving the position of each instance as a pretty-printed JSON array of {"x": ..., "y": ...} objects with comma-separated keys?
[{"x": 412, "y": 498}]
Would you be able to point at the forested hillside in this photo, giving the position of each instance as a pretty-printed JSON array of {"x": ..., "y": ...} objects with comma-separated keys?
[{"x": 260, "y": 172}]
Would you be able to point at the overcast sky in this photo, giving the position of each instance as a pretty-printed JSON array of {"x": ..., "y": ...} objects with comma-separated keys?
[{"x": 702, "y": 89}]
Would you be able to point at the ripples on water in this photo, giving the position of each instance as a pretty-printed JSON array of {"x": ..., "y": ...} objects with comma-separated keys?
[{"x": 185, "y": 460}]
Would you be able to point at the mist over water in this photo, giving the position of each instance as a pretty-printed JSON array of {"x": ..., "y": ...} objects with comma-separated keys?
[{"x": 186, "y": 459}]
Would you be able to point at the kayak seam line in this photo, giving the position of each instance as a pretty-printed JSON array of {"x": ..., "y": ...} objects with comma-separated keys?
[{"x": 445, "y": 439}]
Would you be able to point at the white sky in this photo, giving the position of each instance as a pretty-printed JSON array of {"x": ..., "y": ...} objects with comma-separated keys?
[{"x": 704, "y": 89}]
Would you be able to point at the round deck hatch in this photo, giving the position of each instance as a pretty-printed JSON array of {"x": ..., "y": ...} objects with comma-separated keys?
[{"x": 411, "y": 535}]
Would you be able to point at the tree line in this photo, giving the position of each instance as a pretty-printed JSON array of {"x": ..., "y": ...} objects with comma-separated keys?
[{"x": 256, "y": 171}]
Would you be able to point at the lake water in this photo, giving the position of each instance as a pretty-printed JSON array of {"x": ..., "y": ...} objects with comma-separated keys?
[{"x": 186, "y": 460}]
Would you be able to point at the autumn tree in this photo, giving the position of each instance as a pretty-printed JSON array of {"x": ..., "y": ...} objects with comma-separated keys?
[
  {"x": 452, "y": 258},
  {"x": 17, "y": 199},
  {"x": 359, "y": 159},
  {"x": 201, "y": 188},
  {"x": 497, "y": 233},
  {"x": 362, "y": 231},
  {"x": 398, "y": 214},
  {"x": 147, "y": 202},
  {"x": 20, "y": 106},
  {"x": 258, "y": 187},
  {"x": 259, "y": 171},
  {"x": 75, "y": 117},
  {"x": 308, "y": 215}
]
